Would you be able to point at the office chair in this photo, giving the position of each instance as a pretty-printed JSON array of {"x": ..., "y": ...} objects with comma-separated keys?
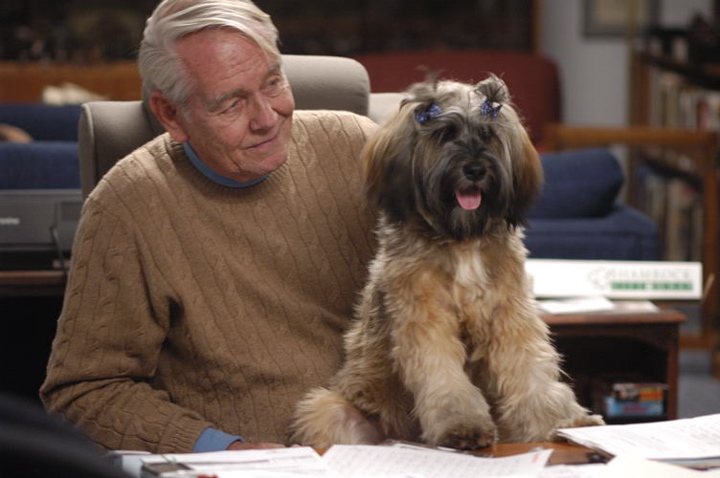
[{"x": 110, "y": 130}]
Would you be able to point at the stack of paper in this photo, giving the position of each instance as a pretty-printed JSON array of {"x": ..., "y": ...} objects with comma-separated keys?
[
  {"x": 690, "y": 442},
  {"x": 356, "y": 461}
]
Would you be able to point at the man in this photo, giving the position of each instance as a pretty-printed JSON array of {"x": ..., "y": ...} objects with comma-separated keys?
[{"x": 214, "y": 268}]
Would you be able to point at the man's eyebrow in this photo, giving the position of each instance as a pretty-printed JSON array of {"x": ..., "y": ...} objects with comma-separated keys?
[{"x": 216, "y": 103}]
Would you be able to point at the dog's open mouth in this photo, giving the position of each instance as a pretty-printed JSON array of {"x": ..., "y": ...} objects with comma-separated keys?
[{"x": 468, "y": 200}]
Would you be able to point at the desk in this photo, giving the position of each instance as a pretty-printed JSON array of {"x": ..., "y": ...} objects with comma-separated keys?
[
  {"x": 563, "y": 453},
  {"x": 620, "y": 343},
  {"x": 32, "y": 283}
]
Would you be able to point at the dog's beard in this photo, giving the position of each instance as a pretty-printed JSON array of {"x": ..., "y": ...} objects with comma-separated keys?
[{"x": 464, "y": 191}]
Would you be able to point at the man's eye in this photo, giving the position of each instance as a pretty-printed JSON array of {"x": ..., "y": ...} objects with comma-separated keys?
[
  {"x": 274, "y": 85},
  {"x": 232, "y": 106}
]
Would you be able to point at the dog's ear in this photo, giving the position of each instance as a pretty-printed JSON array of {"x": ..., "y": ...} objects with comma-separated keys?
[
  {"x": 527, "y": 180},
  {"x": 387, "y": 165}
]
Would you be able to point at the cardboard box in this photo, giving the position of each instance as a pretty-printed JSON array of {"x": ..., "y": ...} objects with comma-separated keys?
[{"x": 558, "y": 278}]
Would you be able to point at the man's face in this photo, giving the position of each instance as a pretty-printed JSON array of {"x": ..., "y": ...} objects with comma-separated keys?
[{"x": 239, "y": 113}]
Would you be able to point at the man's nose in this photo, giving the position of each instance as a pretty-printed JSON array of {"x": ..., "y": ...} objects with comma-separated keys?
[{"x": 263, "y": 114}]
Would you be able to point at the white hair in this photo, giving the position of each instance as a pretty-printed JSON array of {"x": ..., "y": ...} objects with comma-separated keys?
[{"x": 159, "y": 64}]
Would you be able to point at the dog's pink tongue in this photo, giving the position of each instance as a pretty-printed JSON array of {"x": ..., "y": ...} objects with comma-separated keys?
[{"x": 469, "y": 201}]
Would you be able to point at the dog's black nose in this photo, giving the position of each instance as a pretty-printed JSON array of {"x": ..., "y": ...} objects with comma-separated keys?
[{"x": 474, "y": 171}]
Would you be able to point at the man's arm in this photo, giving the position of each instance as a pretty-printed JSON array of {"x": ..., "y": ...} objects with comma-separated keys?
[{"x": 108, "y": 341}]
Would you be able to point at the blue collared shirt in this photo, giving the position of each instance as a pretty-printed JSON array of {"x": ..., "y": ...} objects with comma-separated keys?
[{"x": 212, "y": 175}]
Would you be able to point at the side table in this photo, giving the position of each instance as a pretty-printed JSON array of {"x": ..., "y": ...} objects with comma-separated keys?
[{"x": 600, "y": 344}]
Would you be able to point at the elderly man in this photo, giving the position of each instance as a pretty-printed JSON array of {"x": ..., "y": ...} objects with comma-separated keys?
[{"x": 214, "y": 268}]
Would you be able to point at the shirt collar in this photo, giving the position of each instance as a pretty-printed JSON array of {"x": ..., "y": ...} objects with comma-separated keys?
[{"x": 215, "y": 177}]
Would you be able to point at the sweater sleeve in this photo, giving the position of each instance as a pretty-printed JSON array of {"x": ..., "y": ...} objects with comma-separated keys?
[{"x": 107, "y": 345}]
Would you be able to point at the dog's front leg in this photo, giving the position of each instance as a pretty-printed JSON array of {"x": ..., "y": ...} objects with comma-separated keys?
[
  {"x": 430, "y": 358},
  {"x": 531, "y": 400}
]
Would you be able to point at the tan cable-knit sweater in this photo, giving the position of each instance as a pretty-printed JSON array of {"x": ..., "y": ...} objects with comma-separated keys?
[{"x": 192, "y": 305}]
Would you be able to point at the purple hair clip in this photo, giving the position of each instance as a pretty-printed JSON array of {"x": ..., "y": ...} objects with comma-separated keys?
[
  {"x": 423, "y": 116},
  {"x": 488, "y": 109}
]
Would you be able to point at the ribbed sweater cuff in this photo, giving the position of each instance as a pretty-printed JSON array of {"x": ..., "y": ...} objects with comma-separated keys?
[{"x": 181, "y": 436}]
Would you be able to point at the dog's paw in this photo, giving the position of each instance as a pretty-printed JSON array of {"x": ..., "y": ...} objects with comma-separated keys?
[
  {"x": 468, "y": 438},
  {"x": 581, "y": 421}
]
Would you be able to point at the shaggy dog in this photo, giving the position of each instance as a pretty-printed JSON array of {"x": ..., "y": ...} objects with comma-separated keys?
[{"x": 448, "y": 347}]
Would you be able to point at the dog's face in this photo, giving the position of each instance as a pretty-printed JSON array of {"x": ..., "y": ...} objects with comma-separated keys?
[{"x": 455, "y": 161}]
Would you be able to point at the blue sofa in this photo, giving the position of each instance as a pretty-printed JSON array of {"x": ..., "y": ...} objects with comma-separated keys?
[
  {"x": 578, "y": 215},
  {"x": 50, "y": 161}
]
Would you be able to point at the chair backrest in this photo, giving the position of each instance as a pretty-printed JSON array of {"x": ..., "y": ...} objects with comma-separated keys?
[{"x": 110, "y": 130}]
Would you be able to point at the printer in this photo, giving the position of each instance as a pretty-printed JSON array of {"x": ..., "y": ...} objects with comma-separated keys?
[{"x": 40, "y": 203}]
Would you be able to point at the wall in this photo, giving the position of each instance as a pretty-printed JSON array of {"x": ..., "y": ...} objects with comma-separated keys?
[{"x": 594, "y": 71}]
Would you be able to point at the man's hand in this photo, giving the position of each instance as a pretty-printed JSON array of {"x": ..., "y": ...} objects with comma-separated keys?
[{"x": 239, "y": 445}]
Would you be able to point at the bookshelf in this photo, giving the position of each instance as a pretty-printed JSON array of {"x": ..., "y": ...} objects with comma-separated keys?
[{"x": 680, "y": 189}]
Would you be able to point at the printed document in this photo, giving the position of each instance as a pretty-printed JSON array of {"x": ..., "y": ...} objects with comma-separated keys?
[
  {"x": 686, "y": 439},
  {"x": 357, "y": 461}
]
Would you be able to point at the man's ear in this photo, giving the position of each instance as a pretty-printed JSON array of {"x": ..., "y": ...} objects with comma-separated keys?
[{"x": 167, "y": 114}]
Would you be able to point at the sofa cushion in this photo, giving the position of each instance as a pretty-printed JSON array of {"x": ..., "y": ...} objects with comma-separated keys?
[
  {"x": 39, "y": 165},
  {"x": 624, "y": 234},
  {"x": 578, "y": 184},
  {"x": 43, "y": 122}
]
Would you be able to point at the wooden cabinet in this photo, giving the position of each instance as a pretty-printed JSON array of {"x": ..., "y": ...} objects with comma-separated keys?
[
  {"x": 23, "y": 82},
  {"x": 598, "y": 346}
]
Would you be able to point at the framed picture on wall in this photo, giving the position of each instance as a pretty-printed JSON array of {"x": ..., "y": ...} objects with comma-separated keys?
[{"x": 612, "y": 18}]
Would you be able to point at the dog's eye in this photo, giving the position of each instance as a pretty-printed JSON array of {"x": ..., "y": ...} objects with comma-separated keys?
[
  {"x": 447, "y": 133},
  {"x": 486, "y": 133}
]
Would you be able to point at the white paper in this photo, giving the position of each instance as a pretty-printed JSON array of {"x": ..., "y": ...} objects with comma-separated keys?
[
  {"x": 580, "y": 305},
  {"x": 676, "y": 439},
  {"x": 576, "y": 305},
  {"x": 276, "y": 460},
  {"x": 634, "y": 306},
  {"x": 373, "y": 460},
  {"x": 357, "y": 461},
  {"x": 633, "y": 467},
  {"x": 592, "y": 470}
]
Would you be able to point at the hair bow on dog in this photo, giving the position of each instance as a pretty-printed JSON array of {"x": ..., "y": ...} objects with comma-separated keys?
[
  {"x": 488, "y": 109},
  {"x": 423, "y": 116}
]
